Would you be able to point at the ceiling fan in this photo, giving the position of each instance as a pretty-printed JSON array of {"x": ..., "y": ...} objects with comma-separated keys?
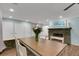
[{"x": 70, "y": 6}]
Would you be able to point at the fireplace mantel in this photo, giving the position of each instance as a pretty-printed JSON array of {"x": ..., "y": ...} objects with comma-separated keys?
[
  {"x": 60, "y": 28},
  {"x": 65, "y": 31}
]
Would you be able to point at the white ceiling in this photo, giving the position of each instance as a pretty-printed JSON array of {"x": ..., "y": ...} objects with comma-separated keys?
[{"x": 39, "y": 12}]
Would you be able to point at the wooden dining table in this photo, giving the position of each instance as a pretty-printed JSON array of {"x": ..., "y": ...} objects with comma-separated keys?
[{"x": 43, "y": 47}]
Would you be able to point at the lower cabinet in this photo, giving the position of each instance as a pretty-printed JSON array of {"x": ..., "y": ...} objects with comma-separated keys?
[{"x": 10, "y": 43}]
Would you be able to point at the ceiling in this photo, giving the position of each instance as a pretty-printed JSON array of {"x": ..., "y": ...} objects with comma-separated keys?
[{"x": 39, "y": 12}]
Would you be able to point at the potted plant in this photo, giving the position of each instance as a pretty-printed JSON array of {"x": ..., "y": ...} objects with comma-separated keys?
[{"x": 37, "y": 31}]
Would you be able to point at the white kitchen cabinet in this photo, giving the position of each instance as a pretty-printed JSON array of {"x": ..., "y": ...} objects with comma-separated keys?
[
  {"x": 23, "y": 29},
  {"x": 7, "y": 27},
  {"x": 28, "y": 32},
  {"x": 19, "y": 29},
  {"x": 2, "y": 45}
]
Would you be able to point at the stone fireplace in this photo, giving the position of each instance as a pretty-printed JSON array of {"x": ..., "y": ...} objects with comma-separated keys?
[
  {"x": 64, "y": 33},
  {"x": 58, "y": 34}
]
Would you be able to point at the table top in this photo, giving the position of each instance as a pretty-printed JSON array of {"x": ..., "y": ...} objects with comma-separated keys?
[{"x": 44, "y": 47}]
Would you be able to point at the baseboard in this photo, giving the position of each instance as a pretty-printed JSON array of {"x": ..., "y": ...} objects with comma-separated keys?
[{"x": 10, "y": 43}]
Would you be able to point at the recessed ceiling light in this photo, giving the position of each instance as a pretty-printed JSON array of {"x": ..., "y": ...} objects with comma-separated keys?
[
  {"x": 47, "y": 20},
  {"x": 10, "y": 16},
  {"x": 11, "y": 10},
  {"x": 60, "y": 16}
]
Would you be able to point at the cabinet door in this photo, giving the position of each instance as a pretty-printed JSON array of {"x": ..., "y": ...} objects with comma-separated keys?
[
  {"x": 28, "y": 30},
  {"x": 12, "y": 29},
  {"x": 7, "y": 30},
  {"x": 19, "y": 29},
  {"x": 23, "y": 29}
]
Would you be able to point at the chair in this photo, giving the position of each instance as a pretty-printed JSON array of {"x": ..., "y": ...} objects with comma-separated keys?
[{"x": 21, "y": 50}]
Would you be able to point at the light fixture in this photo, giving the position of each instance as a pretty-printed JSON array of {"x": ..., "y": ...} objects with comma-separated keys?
[
  {"x": 10, "y": 16},
  {"x": 60, "y": 16},
  {"x": 47, "y": 20},
  {"x": 27, "y": 20},
  {"x": 11, "y": 10}
]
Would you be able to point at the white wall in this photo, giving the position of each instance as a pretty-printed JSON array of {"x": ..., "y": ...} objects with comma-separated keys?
[{"x": 75, "y": 30}]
